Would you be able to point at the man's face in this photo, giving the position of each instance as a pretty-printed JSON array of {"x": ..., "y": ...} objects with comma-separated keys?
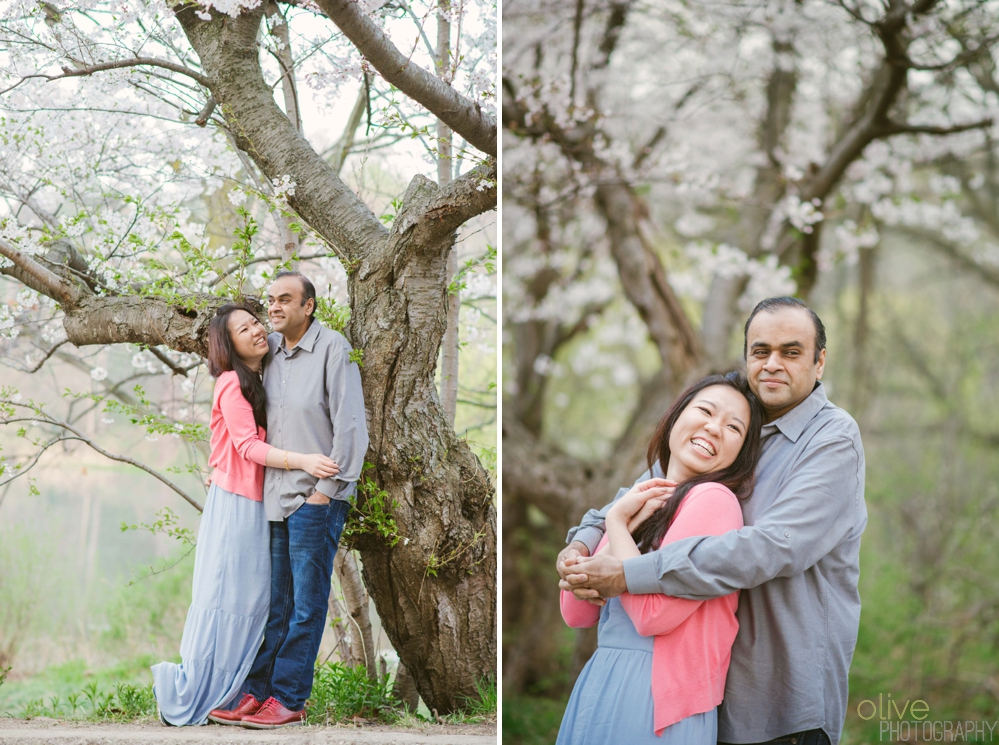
[
  {"x": 780, "y": 359},
  {"x": 284, "y": 305}
]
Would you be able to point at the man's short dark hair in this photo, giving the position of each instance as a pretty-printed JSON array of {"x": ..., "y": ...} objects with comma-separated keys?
[
  {"x": 774, "y": 304},
  {"x": 308, "y": 289}
]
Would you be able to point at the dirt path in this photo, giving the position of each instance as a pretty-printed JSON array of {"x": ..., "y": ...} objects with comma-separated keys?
[{"x": 69, "y": 732}]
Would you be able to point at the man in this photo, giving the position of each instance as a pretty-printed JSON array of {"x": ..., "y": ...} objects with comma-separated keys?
[
  {"x": 314, "y": 405},
  {"x": 797, "y": 560}
]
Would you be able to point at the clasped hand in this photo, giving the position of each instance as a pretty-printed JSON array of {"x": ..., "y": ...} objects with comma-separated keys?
[{"x": 595, "y": 578}]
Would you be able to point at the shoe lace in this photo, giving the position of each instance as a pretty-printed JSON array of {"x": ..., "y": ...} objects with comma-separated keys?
[
  {"x": 247, "y": 698},
  {"x": 271, "y": 706}
]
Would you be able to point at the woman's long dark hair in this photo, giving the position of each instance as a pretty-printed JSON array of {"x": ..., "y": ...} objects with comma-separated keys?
[
  {"x": 222, "y": 357},
  {"x": 739, "y": 477}
]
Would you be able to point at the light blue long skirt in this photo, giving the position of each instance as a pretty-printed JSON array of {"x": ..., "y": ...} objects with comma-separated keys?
[
  {"x": 230, "y": 600},
  {"x": 612, "y": 699}
]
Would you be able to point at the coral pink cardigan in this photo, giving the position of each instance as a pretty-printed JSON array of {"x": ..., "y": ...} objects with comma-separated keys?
[
  {"x": 693, "y": 638},
  {"x": 238, "y": 448}
]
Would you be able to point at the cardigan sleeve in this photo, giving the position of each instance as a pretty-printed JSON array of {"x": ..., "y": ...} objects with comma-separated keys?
[
  {"x": 709, "y": 509},
  {"x": 238, "y": 417},
  {"x": 580, "y": 614}
]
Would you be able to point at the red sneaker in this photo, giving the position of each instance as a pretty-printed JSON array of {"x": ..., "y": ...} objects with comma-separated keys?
[
  {"x": 247, "y": 705},
  {"x": 272, "y": 715}
]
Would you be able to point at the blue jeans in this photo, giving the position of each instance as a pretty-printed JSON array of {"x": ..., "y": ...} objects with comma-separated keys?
[
  {"x": 302, "y": 551},
  {"x": 810, "y": 737}
]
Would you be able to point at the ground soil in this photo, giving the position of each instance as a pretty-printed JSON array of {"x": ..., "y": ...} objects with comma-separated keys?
[{"x": 74, "y": 732}]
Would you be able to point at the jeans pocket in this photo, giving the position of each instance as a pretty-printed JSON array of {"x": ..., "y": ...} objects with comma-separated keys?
[{"x": 337, "y": 518}]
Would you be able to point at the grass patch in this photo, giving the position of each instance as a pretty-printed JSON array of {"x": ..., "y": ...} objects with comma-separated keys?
[
  {"x": 531, "y": 721},
  {"x": 123, "y": 693},
  {"x": 124, "y": 703},
  {"x": 340, "y": 693},
  {"x": 60, "y": 682},
  {"x": 478, "y": 709}
]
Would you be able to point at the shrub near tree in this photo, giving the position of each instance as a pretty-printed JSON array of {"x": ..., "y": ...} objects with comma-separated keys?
[{"x": 115, "y": 116}]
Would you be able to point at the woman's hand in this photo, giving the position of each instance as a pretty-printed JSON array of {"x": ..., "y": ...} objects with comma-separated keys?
[
  {"x": 650, "y": 506},
  {"x": 640, "y": 502},
  {"x": 320, "y": 466}
]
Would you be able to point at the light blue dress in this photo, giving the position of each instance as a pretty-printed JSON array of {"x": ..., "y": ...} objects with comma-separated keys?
[
  {"x": 230, "y": 600},
  {"x": 612, "y": 699}
]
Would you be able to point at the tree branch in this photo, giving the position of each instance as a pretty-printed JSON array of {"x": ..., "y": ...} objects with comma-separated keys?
[
  {"x": 462, "y": 115},
  {"x": 340, "y": 149},
  {"x": 455, "y": 204},
  {"x": 536, "y": 472},
  {"x": 988, "y": 274},
  {"x": 206, "y": 112},
  {"x": 175, "y": 369},
  {"x": 893, "y": 128},
  {"x": 40, "y": 414},
  {"x": 32, "y": 274},
  {"x": 116, "y": 65},
  {"x": 230, "y": 56},
  {"x": 147, "y": 321},
  {"x": 38, "y": 365},
  {"x": 34, "y": 460}
]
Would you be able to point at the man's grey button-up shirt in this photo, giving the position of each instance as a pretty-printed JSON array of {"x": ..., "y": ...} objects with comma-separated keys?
[
  {"x": 797, "y": 562},
  {"x": 314, "y": 405}
]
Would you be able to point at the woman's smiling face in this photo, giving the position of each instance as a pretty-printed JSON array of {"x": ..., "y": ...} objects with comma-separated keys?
[
  {"x": 709, "y": 433},
  {"x": 249, "y": 337}
]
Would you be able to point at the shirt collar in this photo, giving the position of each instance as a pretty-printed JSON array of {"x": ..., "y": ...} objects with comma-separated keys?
[
  {"x": 793, "y": 423},
  {"x": 307, "y": 342}
]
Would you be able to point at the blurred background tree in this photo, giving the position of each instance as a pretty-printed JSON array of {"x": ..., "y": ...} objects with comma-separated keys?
[
  {"x": 667, "y": 166},
  {"x": 160, "y": 158}
]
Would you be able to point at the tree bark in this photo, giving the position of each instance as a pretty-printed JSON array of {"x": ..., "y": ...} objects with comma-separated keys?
[
  {"x": 442, "y": 574},
  {"x": 404, "y": 688}
]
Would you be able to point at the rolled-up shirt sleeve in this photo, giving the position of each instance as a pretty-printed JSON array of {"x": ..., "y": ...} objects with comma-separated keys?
[
  {"x": 811, "y": 515},
  {"x": 345, "y": 400}
]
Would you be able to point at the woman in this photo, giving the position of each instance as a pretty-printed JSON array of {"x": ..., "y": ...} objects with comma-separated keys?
[
  {"x": 231, "y": 592},
  {"x": 659, "y": 671}
]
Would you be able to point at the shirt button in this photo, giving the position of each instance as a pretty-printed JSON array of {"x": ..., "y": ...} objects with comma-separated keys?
[{"x": 787, "y": 534}]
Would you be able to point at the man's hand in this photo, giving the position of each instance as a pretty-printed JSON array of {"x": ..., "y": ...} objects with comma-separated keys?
[
  {"x": 600, "y": 576},
  {"x": 568, "y": 557},
  {"x": 318, "y": 498}
]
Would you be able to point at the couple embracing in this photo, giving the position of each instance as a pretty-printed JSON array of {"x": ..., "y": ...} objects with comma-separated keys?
[
  {"x": 287, "y": 447},
  {"x": 724, "y": 582}
]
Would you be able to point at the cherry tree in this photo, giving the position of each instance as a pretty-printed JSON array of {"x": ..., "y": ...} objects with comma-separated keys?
[
  {"x": 160, "y": 158},
  {"x": 667, "y": 166}
]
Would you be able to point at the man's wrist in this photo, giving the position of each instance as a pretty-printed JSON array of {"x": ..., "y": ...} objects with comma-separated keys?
[
  {"x": 589, "y": 537},
  {"x": 579, "y": 546}
]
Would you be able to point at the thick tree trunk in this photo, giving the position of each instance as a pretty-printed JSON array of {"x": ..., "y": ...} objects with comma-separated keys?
[{"x": 442, "y": 574}]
